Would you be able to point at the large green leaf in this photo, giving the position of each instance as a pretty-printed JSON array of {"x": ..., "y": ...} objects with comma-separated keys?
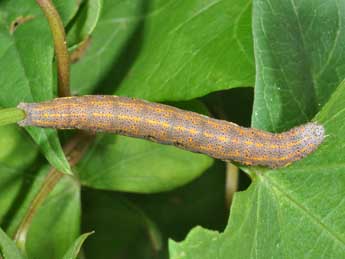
[
  {"x": 26, "y": 61},
  {"x": 294, "y": 212},
  {"x": 168, "y": 50},
  {"x": 135, "y": 165},
  {"x": 85, "y": 22},
  {"x": 299, "y": 57}
]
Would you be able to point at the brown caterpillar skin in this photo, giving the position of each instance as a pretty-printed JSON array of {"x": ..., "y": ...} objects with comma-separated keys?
[{"x": 169, "y": 125}]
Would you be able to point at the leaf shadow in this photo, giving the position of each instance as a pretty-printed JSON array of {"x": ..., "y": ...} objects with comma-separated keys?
[
  {"x": 122, "y": 65},
  {"x": 26, "y": 184}
]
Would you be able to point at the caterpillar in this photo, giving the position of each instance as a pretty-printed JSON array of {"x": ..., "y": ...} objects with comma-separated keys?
[{"x": 169, "y": 125}]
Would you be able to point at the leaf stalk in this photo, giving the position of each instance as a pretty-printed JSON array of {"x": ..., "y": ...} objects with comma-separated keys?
[
  {"x": 60, "y": 46},
  {"x": 11, "y": 115}
]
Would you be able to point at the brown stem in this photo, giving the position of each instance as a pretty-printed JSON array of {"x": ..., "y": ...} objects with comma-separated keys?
[
  {"x": 61, "y": 52},
  {"x": 74, "y": 150},
  {"x": 77, "y": 53}
]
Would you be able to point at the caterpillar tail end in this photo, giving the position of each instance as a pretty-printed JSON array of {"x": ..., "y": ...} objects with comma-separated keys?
[{"x": 314, "y": 134}]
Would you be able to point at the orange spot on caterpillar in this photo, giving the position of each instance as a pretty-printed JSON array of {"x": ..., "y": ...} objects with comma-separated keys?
[
  {"x": 209, "y": 135},
  {"x": 222, "y": 138},
  {"x": 103, "y": 114}
]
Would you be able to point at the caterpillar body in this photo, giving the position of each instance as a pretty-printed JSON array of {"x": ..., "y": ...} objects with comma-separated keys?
[{"x": 169, "y": 125}]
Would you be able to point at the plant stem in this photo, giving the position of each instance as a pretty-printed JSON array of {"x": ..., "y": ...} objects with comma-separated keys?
[
  {"x": 77, "y": 53},
  {"x": 51, "y": 180},
  {"x": 231, "y": 185},
  {"x": 74, "y": 150},
  {"x": 61, "y": 52},
  {"x": 11, "y": 115}
]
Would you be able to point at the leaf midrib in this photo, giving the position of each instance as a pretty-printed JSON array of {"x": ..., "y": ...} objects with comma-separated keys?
[{"x": 305, "y": 210}]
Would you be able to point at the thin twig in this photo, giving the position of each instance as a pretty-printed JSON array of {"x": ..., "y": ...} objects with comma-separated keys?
[
  {"x": 74, "y": 150},
  {"x": 60, "y": 46},
  {"x": 77, "y": 53}
]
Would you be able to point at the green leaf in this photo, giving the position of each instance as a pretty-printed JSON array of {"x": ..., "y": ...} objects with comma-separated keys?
[
  {"x": 25, "y": 194},
  {"x": 85, "y": 22},
  {"x": 122, "y": 230},
  {"x": 294, "y": 212},
  {"x": 26, "y": 58},
  {"x": 168, "y": 50},
  {"x": 17, "y": 152},
  {"x": 299, "y": 59},
  {"x": 127, "y": 164},
  {"x": 8, "y": 248},
  {"x": 297, "y": 211},
  {"x": 66, "y": 9},
  {"x": 16, "y": 148},
  {"x": 73, "y": 251},
  {"x": 55, "y": 225},
  {"x": 201, "y": 243},
  {"x": 12, "y": 10},
  {"x": 12, "y": 182}
]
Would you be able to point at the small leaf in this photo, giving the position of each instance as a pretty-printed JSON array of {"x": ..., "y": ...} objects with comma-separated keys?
[
  {"x": 26, "y": 59},
  {"x": 73, "y": 251},
  {"x": 85, "y": 22},
  {"x": 8, "y": 248}
]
